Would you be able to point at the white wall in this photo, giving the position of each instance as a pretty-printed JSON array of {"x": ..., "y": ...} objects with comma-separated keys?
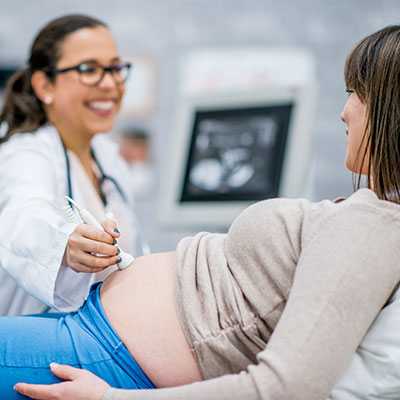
[{"x": 165, "y": 29}]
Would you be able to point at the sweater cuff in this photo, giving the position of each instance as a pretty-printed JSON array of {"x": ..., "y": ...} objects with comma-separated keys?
[{"x": 108, "y": 395}]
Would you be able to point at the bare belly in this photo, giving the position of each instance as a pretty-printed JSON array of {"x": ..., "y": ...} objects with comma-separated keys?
[{"x": 140, "y": 304}]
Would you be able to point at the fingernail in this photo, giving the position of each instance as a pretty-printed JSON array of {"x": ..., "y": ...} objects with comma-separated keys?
[
  {"x": 116, "y": 230},
  {"x": 118, "y": 250},
  {"x": 119, "y": 260},
  {"x": 114, "y": 241},
  {"x": 53, "y": 364}
]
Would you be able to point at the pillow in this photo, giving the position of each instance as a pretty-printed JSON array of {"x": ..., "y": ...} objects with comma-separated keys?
[{"x": 374, "y": 373}]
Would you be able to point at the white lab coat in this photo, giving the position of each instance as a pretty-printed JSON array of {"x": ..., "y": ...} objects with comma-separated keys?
[{"x": 33, "y": 226}]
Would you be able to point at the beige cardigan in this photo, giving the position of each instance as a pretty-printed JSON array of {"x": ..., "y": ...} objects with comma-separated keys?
[{"x": 275, "y": 309}]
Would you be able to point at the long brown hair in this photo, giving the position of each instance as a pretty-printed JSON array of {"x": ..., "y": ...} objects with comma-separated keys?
[
  {"x": 22, "y": 110},
  {"x": 372, "y": 70}
]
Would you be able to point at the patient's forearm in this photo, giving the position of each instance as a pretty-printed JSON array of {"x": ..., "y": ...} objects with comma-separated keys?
[{"x": 229, "y": 387}]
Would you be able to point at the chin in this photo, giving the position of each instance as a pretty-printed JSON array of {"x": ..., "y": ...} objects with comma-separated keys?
[
  {"x": 100, "y": 128},
  {"x": 351, "y": 168},
  {"x": 355, "y": 167},
  {"x": 357, "y": 171},
  {"x": 348, "y": 164}
]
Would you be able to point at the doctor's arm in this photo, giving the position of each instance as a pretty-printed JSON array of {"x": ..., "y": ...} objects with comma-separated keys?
[{"x": 35, "y": 237}]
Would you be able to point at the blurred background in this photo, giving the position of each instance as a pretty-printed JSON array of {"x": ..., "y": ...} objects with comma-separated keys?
[{"x": 157, "y": 35}]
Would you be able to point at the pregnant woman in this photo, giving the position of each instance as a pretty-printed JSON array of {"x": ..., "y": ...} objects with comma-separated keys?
[{"x": 274, "y": 309}]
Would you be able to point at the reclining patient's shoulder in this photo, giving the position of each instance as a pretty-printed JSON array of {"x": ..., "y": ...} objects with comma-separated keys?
[
  {"x": 269, "y": 226},
  {"x": 267, "y": 213}
]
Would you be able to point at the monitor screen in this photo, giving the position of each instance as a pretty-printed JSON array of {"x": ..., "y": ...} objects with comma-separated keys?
[{"x": 236, "y": 154}]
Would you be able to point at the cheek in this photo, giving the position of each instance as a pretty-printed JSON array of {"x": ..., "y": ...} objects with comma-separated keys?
[
  {"x": 356, "y": 157},
  {"x": 121, "y": 94},
  {"x": 349, "y": 156},
  {"x": 69, "y": 99}
]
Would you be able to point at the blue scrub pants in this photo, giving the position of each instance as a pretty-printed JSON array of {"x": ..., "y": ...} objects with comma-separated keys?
[{"x": 83, "y": 339}]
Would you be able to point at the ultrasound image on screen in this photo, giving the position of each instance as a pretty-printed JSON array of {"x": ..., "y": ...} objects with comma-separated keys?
[{"x": 236, "y": 154}]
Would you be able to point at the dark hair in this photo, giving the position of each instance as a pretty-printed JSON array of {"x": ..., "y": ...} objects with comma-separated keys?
[
  {"x": 22, "y": 110},
  {"x": 373, "y": 71}
]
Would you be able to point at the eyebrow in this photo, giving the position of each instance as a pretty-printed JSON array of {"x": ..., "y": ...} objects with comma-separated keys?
[{"x": 93, "y": 60}]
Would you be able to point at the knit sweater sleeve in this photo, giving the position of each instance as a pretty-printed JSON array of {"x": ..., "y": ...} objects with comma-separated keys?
[{"x": 352, "y": 263}]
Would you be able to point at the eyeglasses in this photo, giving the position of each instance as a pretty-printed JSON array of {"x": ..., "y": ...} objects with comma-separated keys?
[{"x": 92, "y": 74}]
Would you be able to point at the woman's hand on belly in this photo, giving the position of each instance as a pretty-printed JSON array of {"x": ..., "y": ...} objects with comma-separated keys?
[{"x": 80, "y": 385}]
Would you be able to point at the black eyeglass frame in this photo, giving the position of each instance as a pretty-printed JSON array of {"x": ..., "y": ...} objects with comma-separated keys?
[{"x": 111, "y": 69}]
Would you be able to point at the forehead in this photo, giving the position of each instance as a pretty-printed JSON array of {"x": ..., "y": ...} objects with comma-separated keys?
[{"x": 88, "y": 44}]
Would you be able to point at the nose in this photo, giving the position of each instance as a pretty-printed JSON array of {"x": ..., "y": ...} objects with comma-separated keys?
[
  {"x": 342, "y": 116},
  {"x": 343, "y": 113},
  {"x": 108, "y": 81}
]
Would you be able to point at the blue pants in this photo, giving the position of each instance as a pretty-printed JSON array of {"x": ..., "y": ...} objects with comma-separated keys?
[{"x": 83, "y": 339}]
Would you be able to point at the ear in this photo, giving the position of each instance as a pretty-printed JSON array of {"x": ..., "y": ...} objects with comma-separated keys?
[{"x": 43, "y": 87}]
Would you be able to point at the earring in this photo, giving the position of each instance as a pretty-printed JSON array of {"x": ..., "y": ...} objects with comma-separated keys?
[{"x": 48, "y": 100}]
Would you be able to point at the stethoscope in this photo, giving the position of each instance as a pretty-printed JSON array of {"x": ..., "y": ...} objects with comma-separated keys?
[
  {"x": 103, "y": 178},
  {"x": 144, "y": 247}
]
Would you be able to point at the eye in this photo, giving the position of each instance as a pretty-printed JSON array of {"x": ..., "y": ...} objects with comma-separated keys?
[
  {"x": 87, "y": 69},
  {"x": 117, "y": 68},
  {"x": 349, "y": 91}
]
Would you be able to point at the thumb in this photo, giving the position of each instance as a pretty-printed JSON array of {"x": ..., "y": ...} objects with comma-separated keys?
[
  {"x": 66, "y": 372},
  {"x": 110, "y": 225}
]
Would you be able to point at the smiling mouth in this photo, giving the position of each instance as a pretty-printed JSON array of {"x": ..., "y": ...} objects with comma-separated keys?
[{"x": 101, "y": 106}]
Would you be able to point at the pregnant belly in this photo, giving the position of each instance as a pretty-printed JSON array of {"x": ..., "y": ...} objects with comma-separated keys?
[{"x": 140, "y": 304}]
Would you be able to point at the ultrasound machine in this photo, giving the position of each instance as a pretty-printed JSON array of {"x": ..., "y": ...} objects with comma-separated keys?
[{"x": 243, "y": 134}]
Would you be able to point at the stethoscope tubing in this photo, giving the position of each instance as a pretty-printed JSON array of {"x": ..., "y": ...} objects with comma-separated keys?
[
  {"x": 144, "y": 247},
  {"x": 103, "y": 177}
]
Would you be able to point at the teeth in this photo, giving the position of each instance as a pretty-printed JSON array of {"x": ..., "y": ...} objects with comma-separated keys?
[{"x": 101, "y": 105}]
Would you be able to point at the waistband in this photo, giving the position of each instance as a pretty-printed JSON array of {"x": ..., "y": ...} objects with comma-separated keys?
[{"x": 92, "y": 317}]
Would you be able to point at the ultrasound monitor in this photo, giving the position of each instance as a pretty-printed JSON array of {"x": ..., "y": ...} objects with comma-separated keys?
[
  {"x": 236, "y": 154},
  {"x": 233, "y": 147}
]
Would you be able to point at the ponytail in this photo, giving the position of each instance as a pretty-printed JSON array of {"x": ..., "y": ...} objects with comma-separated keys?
[{"x": 22, "y": 110}]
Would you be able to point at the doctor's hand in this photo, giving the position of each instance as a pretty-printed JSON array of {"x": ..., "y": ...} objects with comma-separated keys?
[
  {"x": 80, "y": 385},
  {"x": 91, "y": 249}
]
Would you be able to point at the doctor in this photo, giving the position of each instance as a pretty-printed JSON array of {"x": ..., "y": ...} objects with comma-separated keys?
[{"x": 54, "y": 109}]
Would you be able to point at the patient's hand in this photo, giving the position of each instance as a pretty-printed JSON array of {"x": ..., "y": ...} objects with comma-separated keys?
[{"x": 80, "y": 385}]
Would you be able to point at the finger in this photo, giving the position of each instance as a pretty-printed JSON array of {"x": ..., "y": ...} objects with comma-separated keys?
[
  {"x": 91, "y": 232},
  {"x": 66, "y": 372},
  {"x": 93, "y": 246},
  {"x": 37, "y": 392},
  {"x": 95, "y": 263},
  {"x": 78, "y": 267},
  {"x": 91, "y": 269},
  {"x": 110, "y": 226}
]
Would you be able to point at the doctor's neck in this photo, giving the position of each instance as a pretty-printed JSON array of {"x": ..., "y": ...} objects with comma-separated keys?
[{"x": 76, "y": 141}]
